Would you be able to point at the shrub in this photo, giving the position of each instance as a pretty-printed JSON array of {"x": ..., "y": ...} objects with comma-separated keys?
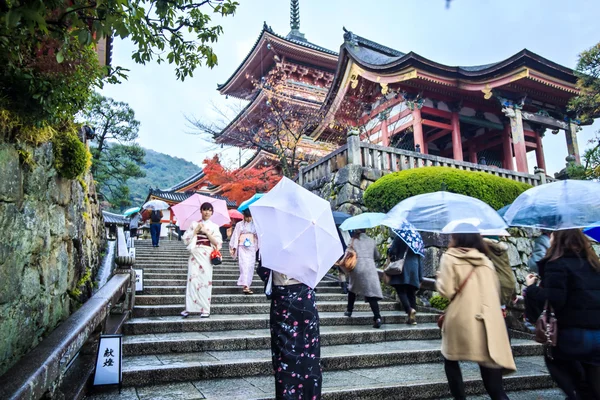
[
  {"x": 71, "y": 157},
  {"x": 438, "y": 302},
  {"x": 389, "y": 190}
]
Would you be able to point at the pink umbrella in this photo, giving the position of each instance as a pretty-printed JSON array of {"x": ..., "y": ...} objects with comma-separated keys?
[
  {"x": 188, "y": 211},
  {"x": 235, "y": 214}
]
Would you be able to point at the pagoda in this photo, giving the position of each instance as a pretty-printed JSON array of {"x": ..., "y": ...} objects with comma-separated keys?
[{"x": 490, "y": 114}]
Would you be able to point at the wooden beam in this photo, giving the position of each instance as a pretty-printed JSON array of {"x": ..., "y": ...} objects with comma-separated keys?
[
  {"x": 436, "y": 124},
  {"x": 436, "y": 112},
  {"x": 484, "y": 123},
  {"x": 390, "y": 103},
  {"x": 401, "y": 128},
  {"x": 437, "y": 135}
]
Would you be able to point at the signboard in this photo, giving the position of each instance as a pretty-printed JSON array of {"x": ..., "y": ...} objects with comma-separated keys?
[
  {"x": 139, "y": 280},
  {"x": 108, "y": 361}
]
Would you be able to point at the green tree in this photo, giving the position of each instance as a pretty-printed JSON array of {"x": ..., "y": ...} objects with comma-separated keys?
[{"x": 116, "y": 157}]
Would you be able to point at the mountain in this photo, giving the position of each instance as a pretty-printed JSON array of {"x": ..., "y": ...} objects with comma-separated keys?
[{"x": 162, "y": 171}]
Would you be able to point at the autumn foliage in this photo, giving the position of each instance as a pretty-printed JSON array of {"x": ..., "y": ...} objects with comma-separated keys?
[{"x": 240, "y": 184}]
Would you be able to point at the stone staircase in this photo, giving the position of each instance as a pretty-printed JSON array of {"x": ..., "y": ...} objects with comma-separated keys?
[{"x": 227, "y": 356}]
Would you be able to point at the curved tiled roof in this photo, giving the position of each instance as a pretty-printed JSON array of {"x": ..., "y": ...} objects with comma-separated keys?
[
  {"x": 112, "y": 218},
  {"x": 187, "y": 181},
  {"x": 178, "y": 197}
]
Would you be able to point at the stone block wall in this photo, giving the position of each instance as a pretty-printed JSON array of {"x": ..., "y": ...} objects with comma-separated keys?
[{"x": 50, "y": 241}]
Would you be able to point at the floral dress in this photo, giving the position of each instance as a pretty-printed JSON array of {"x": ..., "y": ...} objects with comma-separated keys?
[
  {"x": 245, "y": 241},
  {"x": 200, "y": 269}
]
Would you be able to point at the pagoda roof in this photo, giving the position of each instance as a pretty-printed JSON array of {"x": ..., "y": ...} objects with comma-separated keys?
[
  {"x": 112, "y": 218},
  {"x": 187, "y": 181},
  {"x": 178, "y": 197},
  {"x": 260, "y": 60}
]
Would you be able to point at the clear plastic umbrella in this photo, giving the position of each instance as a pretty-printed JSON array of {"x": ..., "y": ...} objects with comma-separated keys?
[
  {"x": 432, "y": 212},
  {"x": 155, "y": 205},
  {"x": 567, "y": 204},
  {"x": 296, "y": 231}
]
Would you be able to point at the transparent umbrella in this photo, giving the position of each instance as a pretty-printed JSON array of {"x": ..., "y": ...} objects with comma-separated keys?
[
  {"x": 567, "y": 204},
  {"x": 433, "y": 212},
  {"x": 155, "y": 205}
]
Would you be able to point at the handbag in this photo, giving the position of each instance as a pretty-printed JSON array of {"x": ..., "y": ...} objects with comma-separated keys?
[
  {"x": 349, "y": 259},
  {"x": 546, "y": 329},
  {"x": 440, "y": 322},
  {"x": 215, "y": 257},
  {"x": 396, "y": 267}
]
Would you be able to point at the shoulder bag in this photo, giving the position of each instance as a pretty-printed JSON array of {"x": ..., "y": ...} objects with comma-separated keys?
[
  {"x": 348, "y": 261},
  {"x": 546, "y": 329},
  {"x": 396, "y": 267},
  {"x": 441, "y": 318}
]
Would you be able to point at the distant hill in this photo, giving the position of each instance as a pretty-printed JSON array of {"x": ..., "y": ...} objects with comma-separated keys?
[{"x": 162, "y": 171}]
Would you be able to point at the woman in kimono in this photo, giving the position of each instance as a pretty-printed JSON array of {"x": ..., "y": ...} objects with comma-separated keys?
[
  {"x": 244, "y": 244},
  {"x": 201, "y": 239},
  {"x": 295, "y": 339}
]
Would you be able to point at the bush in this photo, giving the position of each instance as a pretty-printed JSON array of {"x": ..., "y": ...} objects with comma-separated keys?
[
  {"x": 71, "y": 157},
  {"x": 438, "y": 302},
  {"x": 389, "y": 190}
]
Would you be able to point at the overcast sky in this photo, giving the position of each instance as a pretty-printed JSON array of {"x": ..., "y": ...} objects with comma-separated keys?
[{"x": 470, "y": 32}]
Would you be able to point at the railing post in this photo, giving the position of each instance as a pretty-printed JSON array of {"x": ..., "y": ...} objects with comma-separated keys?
[
  {"x": 541, "y": 174},
  {"x": 354, "y": 156},
  {"x": 303, "y": 165}
]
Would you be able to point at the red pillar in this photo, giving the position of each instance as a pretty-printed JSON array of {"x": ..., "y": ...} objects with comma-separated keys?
[
  {"x": 418, "y": 129},
  {"x": 518, "y": 136},
  {"x": 507, "y": 152},
  {"x": 539, "y": 152},
  {"x": 472, "y": 155},
  {"x": 385, "y": 136},
  {"x": 457, "y": 151}
]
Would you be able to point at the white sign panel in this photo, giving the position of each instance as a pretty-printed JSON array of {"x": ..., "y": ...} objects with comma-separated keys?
[
  {"x": 139, "y": 280},
  {"x": 108, "y": 361}
]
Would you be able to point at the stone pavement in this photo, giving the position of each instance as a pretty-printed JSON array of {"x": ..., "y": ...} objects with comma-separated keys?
[{"x": 227, "y": 356}]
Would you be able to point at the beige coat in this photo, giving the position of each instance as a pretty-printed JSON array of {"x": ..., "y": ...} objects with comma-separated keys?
[{"x": 474, "y": 328}]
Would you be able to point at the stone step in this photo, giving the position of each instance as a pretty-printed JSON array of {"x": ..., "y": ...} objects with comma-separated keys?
[
  {"x": 254, "y": 339},
  {"x": 233, "y": 289},
  {"x": 183, "y": 275},
  {"x": 144, "y": 299},
  {"x": 154, "y": 265},
  {"x": 183, "y": 269},
  {"x": 172, "y": 367},
  {"x": 140, "y": 311},
  {"x": 222, "y": 322},
  {"x": 423, "y": 381},
  {"x": 219, "y": 282},
  {"x": 175, "y": 257}
]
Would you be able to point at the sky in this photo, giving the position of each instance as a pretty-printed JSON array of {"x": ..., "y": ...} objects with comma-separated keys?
[{"x": 469, "y": 32}]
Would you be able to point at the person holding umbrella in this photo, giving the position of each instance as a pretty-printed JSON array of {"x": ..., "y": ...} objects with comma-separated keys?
[
  {"x": 244, "y": 245},
  {"x": 201, "y": 239},
  {"x": 133, "y": 225}
]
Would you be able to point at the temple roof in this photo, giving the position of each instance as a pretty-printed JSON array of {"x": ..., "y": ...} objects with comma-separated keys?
[
  {"x": 112, "y": 218},
  {"x": 187, "y": 181},
  {"x": 261, "y": 58},
  {"x": 178, "y": 197}
]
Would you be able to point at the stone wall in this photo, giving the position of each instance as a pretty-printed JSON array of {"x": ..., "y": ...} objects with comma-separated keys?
[{"x": 49, "y": 252}]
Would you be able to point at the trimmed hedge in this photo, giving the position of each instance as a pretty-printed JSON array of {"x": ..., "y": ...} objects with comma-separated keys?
[{"x": 389, "y": 190}]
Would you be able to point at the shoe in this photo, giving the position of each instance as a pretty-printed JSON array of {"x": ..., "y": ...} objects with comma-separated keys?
[
  {"x": 348, "y": 314},
  {"x": 247, "y": 291},
  {"x": 412, "y": 317},
  {"x": 377, "y": 323},
  {"x": 204, "y": 315},
  {"x": 185, "y": 314}
]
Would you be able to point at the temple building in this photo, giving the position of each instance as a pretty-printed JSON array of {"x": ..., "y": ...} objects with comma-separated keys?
[{"x": 490, "y": 114}]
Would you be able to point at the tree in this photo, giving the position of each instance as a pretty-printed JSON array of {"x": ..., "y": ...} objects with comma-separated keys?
[
  {"x": 590, "y": 168},
  {"x": 116, "y": 156},
  {"x": 240, "y": 184}
]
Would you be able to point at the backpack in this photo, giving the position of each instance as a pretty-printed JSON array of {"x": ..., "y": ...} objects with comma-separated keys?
[{"x": 155, "y": 216}]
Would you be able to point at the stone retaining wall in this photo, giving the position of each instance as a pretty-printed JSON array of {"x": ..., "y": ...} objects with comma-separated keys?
[{"x": 49, "y": 252}]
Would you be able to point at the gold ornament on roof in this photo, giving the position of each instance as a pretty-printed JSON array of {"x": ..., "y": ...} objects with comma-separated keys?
[
  {"x": 384, "y": 88},
  {"x": 487, "y": 92}
]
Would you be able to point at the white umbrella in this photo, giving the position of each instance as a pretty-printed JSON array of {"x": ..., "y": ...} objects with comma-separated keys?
[
  {"x": 432, "y": 212},
  {"x": 567, "y": 204},
  {"x": 155, "y": 205},
  {"x": 474, "y": 222},
  {"x": 296, "y": 231}
]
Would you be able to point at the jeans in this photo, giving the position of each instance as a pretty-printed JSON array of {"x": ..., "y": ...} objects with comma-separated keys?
[
  {"x": 492, "y": 381},
  {"x": 155, "y": 233},
  {"x": 407, "y": 295},
  {"x": 373, "y": 302}
]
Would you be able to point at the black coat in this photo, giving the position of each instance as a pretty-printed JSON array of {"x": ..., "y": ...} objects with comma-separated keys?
[
  {"x": 412, "y": 273},
  {"x": 572, "y": 287}
]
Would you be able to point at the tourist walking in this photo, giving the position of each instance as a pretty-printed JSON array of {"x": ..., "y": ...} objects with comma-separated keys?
[
  {"x": 570, "y": 282},
  {"x": 363, "y": 280},
  {"x": 540, "y": 246},
  {"x": 133, "y": 225},
  {"x": 155, "y": 226},
  {"x": 244, "y": 245},
  {"x": 498, "y": 255},
  {"x": 409, "y": 281},
  {"x": 473, "y": 328},
  {"x": 201, "y": 239},
  {"x": 295, "y": 339}
]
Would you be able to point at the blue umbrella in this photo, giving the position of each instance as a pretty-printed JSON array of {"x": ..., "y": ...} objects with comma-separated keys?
[
  {"x": 251, "y": 200},
  {"x": 339, "y": 217},
  {"x": 593, "y": 231},
  {"x": 411, "y": 237},
  {"x": 131, "y": 211},
  {"x": 362, "y": 221},
  {"x": 503, "y": 210}
]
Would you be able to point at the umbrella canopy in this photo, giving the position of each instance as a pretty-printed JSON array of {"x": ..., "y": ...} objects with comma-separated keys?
[
  {"x": 503, "y": 210},
  {"x": 474, "y": 226},
  {"x": 235, "y": 215},
  {"x": 567, "y": 204},
  {"x": 188, "y": 211},
  {"x": 131, "y": 211},
  {"x": 593, "y": 231},
  {"x": 296, "y": 231},
  {"x": 411, "y": 237},
  {"x": 362, "y": 221},
  {"x": 251, "y": 200},
  {"x": 431, "y": 212},
  {"x": 339, "y": 217},
  {"x": 155, "y": 205}
]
